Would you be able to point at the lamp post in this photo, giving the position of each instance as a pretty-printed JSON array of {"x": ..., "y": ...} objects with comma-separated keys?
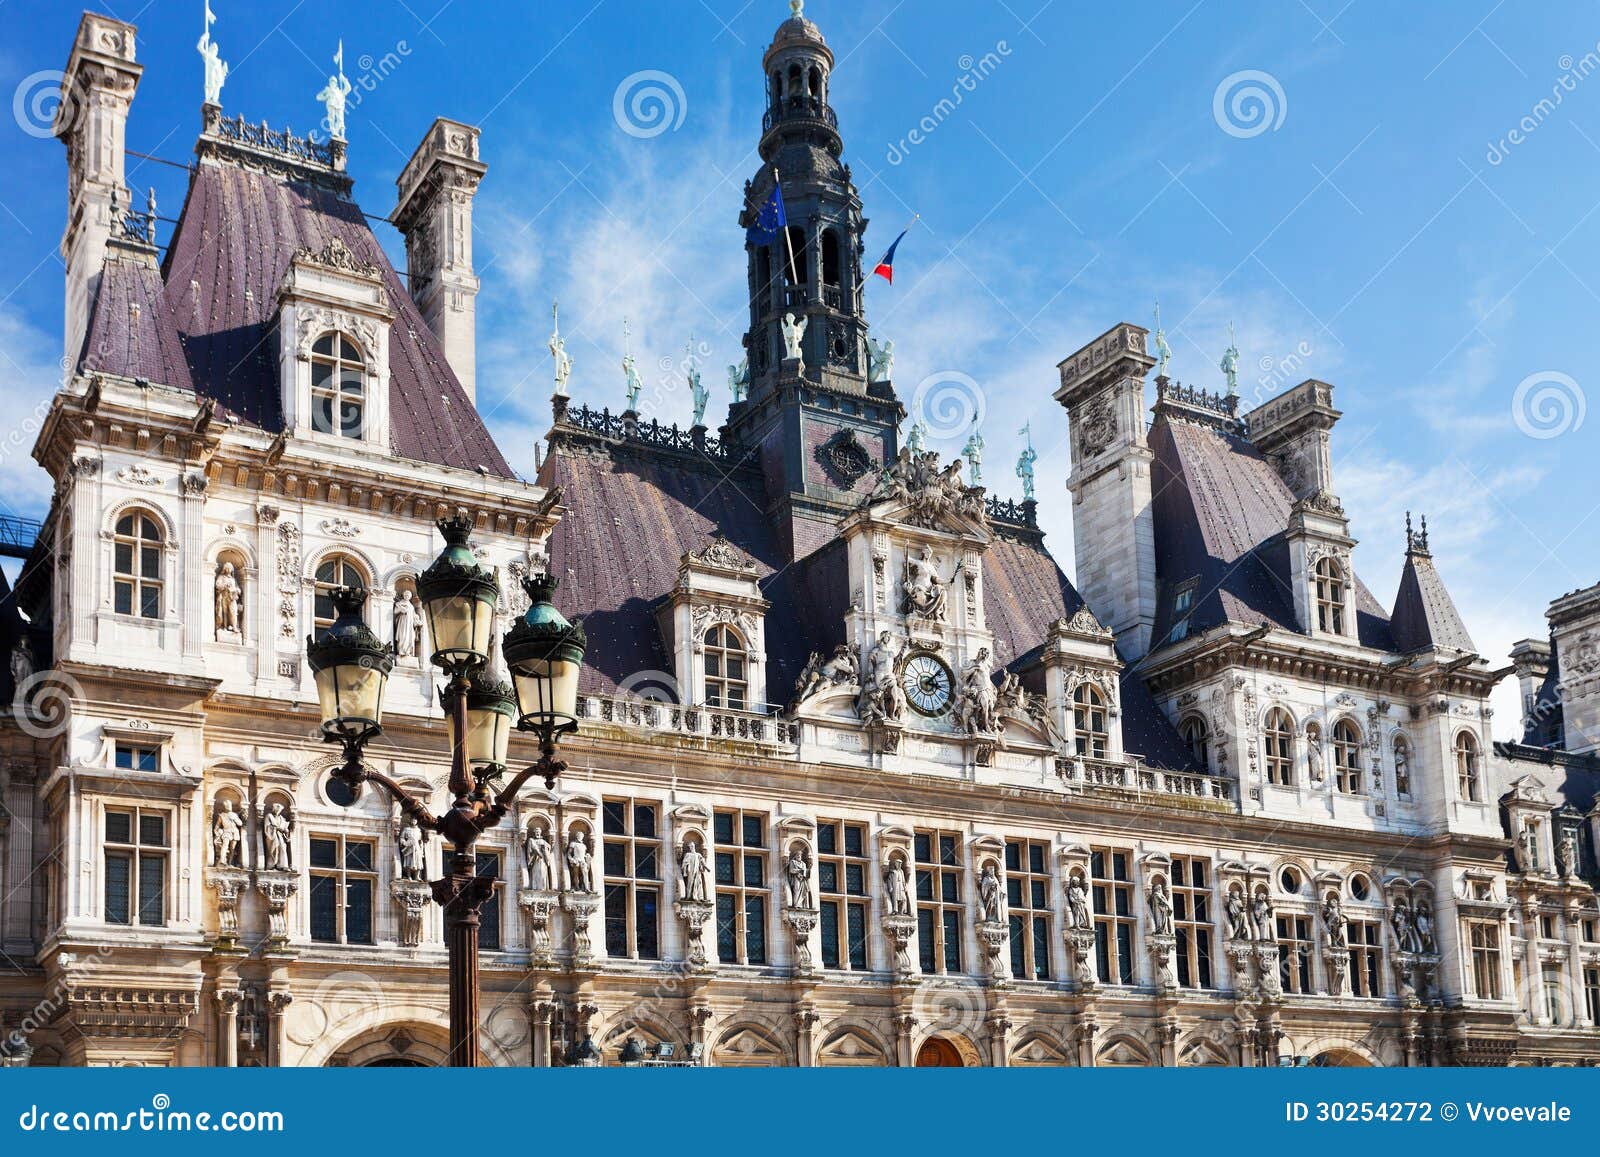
[{"x": 544, "y": 652}]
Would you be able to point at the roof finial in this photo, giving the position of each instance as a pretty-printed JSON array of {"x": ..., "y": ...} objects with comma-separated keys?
[
  {"x": 797, "y": 7},
  {"x": 1416, "y": 540},
  {"x": 333, "y": 97},
  {"x": 216, "y": 74},
  {"x": 1230, "y": 363},
  {"x": 1163, "y": 350},
  {"x": 558, "y": 350}
]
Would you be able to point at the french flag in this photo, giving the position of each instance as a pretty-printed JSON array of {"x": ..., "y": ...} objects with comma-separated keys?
[{"x": 885, "y": 268}]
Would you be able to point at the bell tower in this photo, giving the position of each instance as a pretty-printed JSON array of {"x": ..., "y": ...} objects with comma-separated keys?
[{"x": 823, "y": 428}]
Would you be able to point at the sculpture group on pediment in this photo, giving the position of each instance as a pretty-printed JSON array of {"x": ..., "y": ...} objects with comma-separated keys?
[
  {"x": 882, "y": 698},
  {"x": 933, "y": 495},
  {"x": 841, "y": 669}
]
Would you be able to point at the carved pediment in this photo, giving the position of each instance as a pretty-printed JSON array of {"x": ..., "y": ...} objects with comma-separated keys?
[
  {"x": 720, "y": 554},
  {"x": 851, "y": 1047},
  {"x": 337, "y": 255}
]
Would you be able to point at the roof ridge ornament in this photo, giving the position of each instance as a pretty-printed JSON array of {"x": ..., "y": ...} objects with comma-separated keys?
[
  {"x": 216, "y": 69},
  {"x": 337, "y": 255},
  {"x": 1417, "y": 540},
  {"x": 333, "y": 97}
]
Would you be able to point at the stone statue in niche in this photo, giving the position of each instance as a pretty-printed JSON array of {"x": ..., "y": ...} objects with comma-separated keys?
[
  {"x": 925, "y": 592},
  {"x": 1567, "y": 854},
  {"x": 1160, "y": 908},
  {"x": 277, "y": 838},
  {"x": 538, "y": 868},
  {"x": 580, "y": 868},
  {"x": 1263, "y": 919},
  {"x": 990, "y": 899},
  {"x": 794, "y": 335},
  {"x": 1335, "y": 923},
  {"x": 1314, "y": 759},
  {"x": 227, "y": 837},
  {"x": 797, "y": 877},
  {"x": 975, "y": 709},
  {"x": 882, "y": 698},
  {"x": 1424, "y": 925},
  {"x": 692, "y": 873},
  {"x": 1078, "y": 916},
  {"x": 896, "y": 883},
  {"x": 406, "y": 625},
  {"x": 1237, "y": 915},
  {"x": 1405, "y": 928},
  {"x": 227, "y": 617},
  {"x": 21, "y": 666},
  {"x": 411, "y": 850},
  {"x": 1526, "y": 850}
]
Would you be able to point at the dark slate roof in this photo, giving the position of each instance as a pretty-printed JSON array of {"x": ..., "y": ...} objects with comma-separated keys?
[
  {"x": 633, "y": 511},
  {"x": 131, "y": 332},
  {"x": 1424, "y": 616},
  {"x": 1220, "y": 513},
  {"x": 238, "y": 232}
]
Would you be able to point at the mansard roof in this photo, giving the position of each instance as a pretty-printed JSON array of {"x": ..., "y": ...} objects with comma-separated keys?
[
  {"x": 634, "y": 510},
  {"x": 1425, "y": 617},
  {"x": 239, "y": 229},
  {"x": 1220, "y": 514},
  {"x": 131, "y": 332}
]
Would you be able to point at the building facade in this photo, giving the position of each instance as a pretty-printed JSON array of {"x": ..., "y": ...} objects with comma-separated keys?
[{"x": 862, "y": 778}]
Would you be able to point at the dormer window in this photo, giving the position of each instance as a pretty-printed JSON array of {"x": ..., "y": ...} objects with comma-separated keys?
[
  {"x": 338, "y": 386},
  {"x": 1196, "y": 737},
  {"x": 136, "y": 550},
  {"x": 727, "y": 678},
  {"x": 1093, "y": 739},
  {"x": 1330, "y": 583},
  {"x": 1467, "y": 767},
  {"x": 1347, "y": 757}
]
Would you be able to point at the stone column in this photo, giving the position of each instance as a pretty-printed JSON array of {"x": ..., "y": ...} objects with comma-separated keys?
[
  {"x": 805, "y": 1039},
  {"x": 540, "y": 1011},
  {"x": 278, "y": 1008},
  {"x": 228, "y": 1009}
]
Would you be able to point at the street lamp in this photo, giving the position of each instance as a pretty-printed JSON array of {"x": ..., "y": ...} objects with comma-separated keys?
[{"x": 545, "y": 652}]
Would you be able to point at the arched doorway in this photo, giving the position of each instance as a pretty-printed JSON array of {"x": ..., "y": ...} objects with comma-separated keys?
[
  {"x": 938, "y": 1053},
  {"x": 1340, "y": 1059}
]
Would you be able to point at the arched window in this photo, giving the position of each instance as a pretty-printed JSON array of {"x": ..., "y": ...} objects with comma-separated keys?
[
  {"x": 815, "y": 86},
  {"x": 1330, "y": 597},
  {"x": 793, "y": 254},
  {"x": 775, "y": 97},
  {"x": 1347, "y": 757},
  {"x": 1278, "y": 741},
  {"x": 830, "y": 257},
  {"x": 136, "y": 556},
  {"x": 1089, "y": 721},
  {"x": 797, "y": 84},
  {"x": 338, "y": 386},
  {"x": 1467, "y": 767},
  {"x": 337, "y": 570},
  {"x": 727, "y": 679},
  {"x": 1196, "y": 736}
]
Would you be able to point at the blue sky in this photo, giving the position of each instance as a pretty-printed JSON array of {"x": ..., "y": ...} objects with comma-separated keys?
[{"x": 1378, "y": 226}]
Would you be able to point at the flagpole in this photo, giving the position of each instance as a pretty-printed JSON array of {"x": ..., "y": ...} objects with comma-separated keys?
[{"x": 788, "y": 241}]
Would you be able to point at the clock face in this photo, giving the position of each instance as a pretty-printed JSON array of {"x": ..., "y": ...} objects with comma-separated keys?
[{"x": 928, "y": 685}]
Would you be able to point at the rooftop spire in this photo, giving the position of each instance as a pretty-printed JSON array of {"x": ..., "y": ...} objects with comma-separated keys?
[{"x": 1416, "y": 540}]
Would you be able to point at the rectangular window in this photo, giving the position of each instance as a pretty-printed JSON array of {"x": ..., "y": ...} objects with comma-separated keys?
[
  {"x": 1112, "y": 887},
  {"x": 1591, "y": 992},
  {"x": 490, "y": 867},
  {"x": 940, "y": 918},
  {"x": 632, "y": 864},
  {"x": 1484, "y": 939},
  {"x": 842, "y": 866},
  {"x": 740, "y": 840},
  {"x": 136, "y": 867},
  {"x": 138, "y": 757},
  {"x": 1028, "y": 898},
  {"x": 1191, "y": 920},
  {"x": 344, "y": 881},
  {"x": 1365, "y": 958},
  {"x": 1294, "y": 953}
]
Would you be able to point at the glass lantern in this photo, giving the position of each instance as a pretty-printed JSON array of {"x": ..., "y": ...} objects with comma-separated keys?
[
  {"x": 351, "y": 668},
  {"x": 458, "y": 596},
  {"x": 545, "y": 654}
]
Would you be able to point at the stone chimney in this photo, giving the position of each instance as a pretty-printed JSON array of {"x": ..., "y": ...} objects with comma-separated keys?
[
  {"x": 1293, "y": 431},
  {"x": 1113, "y": 524},
  {"x": 92, "y": 122},
  {"x": 434, "y": 214}
]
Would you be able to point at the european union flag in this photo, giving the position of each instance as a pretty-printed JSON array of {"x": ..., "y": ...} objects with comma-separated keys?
[{"x": 771, "y": 218}]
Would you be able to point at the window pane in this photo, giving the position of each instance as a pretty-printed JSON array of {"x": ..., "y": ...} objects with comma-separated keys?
[
  {"x": 855, "y": 879},
  {"x": 853, "y": 841},
  {"x": 857, "y": 916},
  {"x": 616, "y": 859},
  {"x": 617, "y": 921},
  {"x": 153, "y": 830},
  {"x": 149, "y": 602},
  {"x": 119, "y": 828},
  {"x": 753, "y": 836},
  {"x": 644, "y": 822},
  {"x": 325, "y": 908},
  {"x": 119, "y": 868},
  {"x": 124, "y": 599},
  {"x": 124, "y": 558},
  {"x": 646, "y": 863},
  {"x": 830, "y": 934},
  {"x": 926, "y": 948},
  {"x": 614, "y": 818},
  {"x": 828, "y": 877},
  {"x": 727, "y": 929},
  {"x": 723, "y": 828},
  {"x": 755, "y": 931},
  {"x": 358, "y": 912},
  {"x": 324, "y": 853},
  {"x": 754, "y": 872},
  {"x": 827, "y": 839},
  {"x": 725, "y": 868},
  {"x": 152, "y": 890},
  {"x": 646, "y": 904},
  {"x": 150, "y": 562},
  {"x": 488, "y": 918},
  {"x": 952, "y": 941}
]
